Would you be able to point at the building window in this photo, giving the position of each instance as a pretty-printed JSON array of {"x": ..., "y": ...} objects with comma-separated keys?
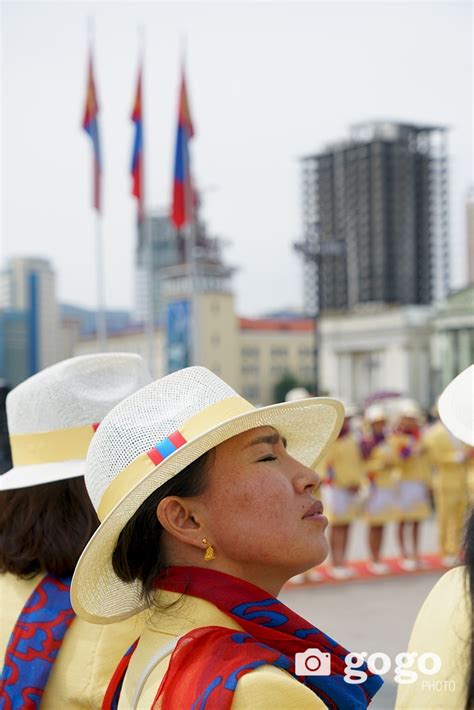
[
  {"x": 279, "y": 353},
  {"x": 249, "y": 352},
  {"x": 250, "y": 369},
  {"x": 215, "y": 307},
  {"x": 251, "y": 392}
]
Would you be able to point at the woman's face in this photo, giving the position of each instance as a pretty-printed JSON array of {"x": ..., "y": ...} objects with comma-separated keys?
[{"x": 259, "y": 511}]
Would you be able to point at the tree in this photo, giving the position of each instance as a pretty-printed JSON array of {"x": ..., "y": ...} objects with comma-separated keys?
[{"x": 286, "y": 383}]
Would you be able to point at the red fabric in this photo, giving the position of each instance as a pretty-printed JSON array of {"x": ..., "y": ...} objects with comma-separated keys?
[
  {"x": 178, "y": 214},
  {"x": 273, "y": 635}
]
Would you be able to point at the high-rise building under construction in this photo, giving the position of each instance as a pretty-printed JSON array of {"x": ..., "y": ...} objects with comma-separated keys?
[{"x": 375, "y": 218}]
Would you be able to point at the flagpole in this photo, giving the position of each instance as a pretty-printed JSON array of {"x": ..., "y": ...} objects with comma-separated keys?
[
  {"x": 101, "y": 320},
  {"x": 147, "y": 228},
  {"x": 100, "y": 325},
  {"x": 192, "y": 242}
]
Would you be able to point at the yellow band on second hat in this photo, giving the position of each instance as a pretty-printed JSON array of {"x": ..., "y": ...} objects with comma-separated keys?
[
  {"x": 51, "y": 446},
  {"x": 194, "y": 427}
]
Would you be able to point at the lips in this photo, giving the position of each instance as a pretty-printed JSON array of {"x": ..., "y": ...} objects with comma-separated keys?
[{"x": 316, "y": 509}]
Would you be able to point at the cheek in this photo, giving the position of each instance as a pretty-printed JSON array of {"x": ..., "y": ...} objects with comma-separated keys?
[{"x": 254, "y": 509}]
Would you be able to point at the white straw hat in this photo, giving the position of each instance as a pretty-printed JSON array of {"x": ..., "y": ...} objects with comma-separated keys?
[
  {"x": 375, "y": 413},
  {"x": 350, "y": 410},
  {"x": 52, "y": 416},
  {"x": 408, "y": 408},
  {"x": 456, "y": 406},
  {"x": 152, "y": 436},
  {"x": 296, "y": 393}
]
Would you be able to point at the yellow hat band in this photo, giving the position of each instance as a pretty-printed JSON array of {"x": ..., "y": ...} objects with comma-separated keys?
[
  {"x": 196, "y": 426},
  {"x": 51, "y": 446}
]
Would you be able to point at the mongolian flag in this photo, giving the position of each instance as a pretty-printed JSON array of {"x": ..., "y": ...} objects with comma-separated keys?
[
  {"x": 182, "y": 208},
  {"x": 90, "y": 124},
  {"x": 136, "y": 168}
]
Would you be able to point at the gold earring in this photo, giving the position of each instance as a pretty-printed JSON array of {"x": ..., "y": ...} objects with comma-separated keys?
[{"x": 209, "y": 553}]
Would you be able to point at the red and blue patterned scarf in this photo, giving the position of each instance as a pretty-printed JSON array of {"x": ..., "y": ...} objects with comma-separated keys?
[
  {"x": 34, "y": 644},
  {"x": 272, "y": 635}
]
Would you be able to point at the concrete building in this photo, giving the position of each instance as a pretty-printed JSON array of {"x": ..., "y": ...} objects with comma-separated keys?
[
  {"x": 269, "y": 348},
  {"x": 166, "y": 250},
  {"x": 470, "y": 235},
  {"x": 202, "y": 328},
  {"x": 377, "y": 348},
  {"x": 129, "y": 340},
  {"x": 452, "y": 339},
  {"x": 252, "y": 355},
  {"x": 15, "y": 345},
  {"x": 375, "y": 218},
  {"x": 169, "y": 248},
  {"x": 28, "y": 285}
]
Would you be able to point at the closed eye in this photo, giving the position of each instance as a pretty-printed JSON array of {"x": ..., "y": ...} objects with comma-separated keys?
[{"x": 268, "y": 458}]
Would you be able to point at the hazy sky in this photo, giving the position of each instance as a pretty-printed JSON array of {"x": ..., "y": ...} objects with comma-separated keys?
[{"x": 268, "y": 82}]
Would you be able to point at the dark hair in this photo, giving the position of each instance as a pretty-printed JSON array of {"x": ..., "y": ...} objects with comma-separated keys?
[
  {"x": 469, "y": 560},
  {"x": 44, "y": 528},
  {"x": 137, "y": 554}
]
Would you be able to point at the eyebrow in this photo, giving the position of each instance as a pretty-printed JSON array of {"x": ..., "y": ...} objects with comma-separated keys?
[{"x": 267, "y": 439}]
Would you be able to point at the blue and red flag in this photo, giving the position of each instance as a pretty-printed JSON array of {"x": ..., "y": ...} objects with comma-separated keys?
[
  {"x": 136, "y": 168},
  {"x": 183, "y": 200},
  {"x": 90, "y": 124}
]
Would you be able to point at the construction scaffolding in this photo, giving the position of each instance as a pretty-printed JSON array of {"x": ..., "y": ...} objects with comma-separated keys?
[{"x": 376, "y": 218}]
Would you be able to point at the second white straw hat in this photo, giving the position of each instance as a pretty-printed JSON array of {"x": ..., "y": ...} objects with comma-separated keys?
[
  {"x": 52, "y": 416},
  {"x": 456, "y": 406}
]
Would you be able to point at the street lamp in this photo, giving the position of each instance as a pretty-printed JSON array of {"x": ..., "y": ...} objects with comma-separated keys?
[{"x": 313, "y": 250}]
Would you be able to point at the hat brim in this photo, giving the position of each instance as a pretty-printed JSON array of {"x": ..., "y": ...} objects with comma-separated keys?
[
  {"x": 97, "y": 594},
  {"x": 456, "y": 406},
  {"x": 37, "y": 474}
]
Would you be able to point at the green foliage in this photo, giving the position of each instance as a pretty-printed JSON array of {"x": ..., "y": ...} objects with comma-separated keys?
[{"x": 286, "y": 383}]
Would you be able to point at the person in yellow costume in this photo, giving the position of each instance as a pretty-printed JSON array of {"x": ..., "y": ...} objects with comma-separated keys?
[
  {"x": 414, "y": 480},
  {"x": 342, "y": 470},
  {"x": 206, "y": 506},
  {"x": 448, "y": 457},
  {"x": 470, "y": 478},
  {"x": 379, "y": 470},
  {"x": 46, "y": 518},
  {"x": 444, "y": 623}
]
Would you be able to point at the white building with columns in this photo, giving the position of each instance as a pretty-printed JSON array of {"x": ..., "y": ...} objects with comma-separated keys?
[{"x": 377, "y": 348}]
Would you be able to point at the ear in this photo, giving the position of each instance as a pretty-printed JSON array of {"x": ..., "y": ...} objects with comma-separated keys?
[{"x": 180, "y": 518}]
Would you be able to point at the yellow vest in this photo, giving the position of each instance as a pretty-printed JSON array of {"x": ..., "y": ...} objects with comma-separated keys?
[
  {"x": 345, "y": 459},
  {"x": 443, "y": 626},
  {"x": 380, "y": 464},
  {"x": 443, "y": 452},
  {"x": 413, "y": 468},
  {"x": 265, "y": 688},
  {"x": 88, "y": 655}
]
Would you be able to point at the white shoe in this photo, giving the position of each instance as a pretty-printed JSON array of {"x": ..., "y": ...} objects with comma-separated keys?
[
  {"x": 449, "y": 561},
  {"x": 314, "y": 576},
  {"x": 298, "y": 578},
  {"x": 341, "y": 572},
  {"x": 378, "y": 568},
  {"x": 408, "y": 564}
]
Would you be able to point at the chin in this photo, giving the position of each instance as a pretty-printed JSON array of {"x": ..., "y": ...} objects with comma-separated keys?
[{"x": 321, "y": 554}]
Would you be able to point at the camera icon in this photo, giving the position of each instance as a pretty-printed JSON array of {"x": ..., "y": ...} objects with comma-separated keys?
[{"x": 312, "y": 662}]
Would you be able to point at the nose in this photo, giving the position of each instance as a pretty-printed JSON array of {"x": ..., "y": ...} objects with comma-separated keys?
[{"x": 305, "y": 479}]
